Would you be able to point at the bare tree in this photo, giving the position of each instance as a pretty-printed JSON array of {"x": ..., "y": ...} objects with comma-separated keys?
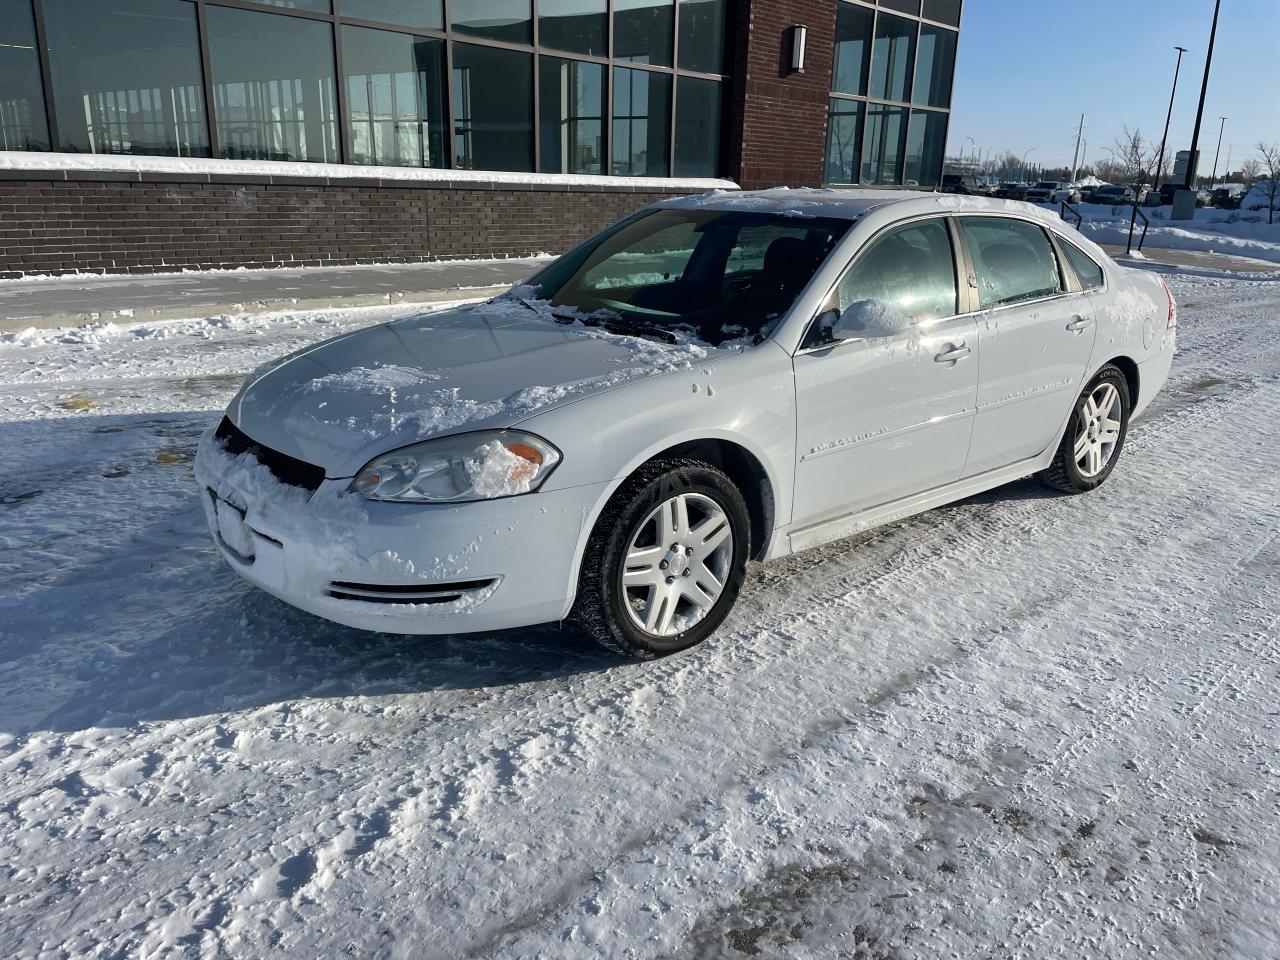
[
  {"x": 1133, "y": 159},
  {"x": 1269, "y": 153},
  {"x": 1250, "y": 171}
]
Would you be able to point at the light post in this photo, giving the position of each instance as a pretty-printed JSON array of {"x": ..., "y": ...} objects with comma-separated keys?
[
  {"x": 1024, "y": 163},
  {"x": 1218, "y": 152},
  {"x": 1165, "y": 139},
  {"x": 1184, "y": 203}
]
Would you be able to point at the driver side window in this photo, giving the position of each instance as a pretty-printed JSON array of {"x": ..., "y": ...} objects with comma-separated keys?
[{"x": 911, "y": 269}]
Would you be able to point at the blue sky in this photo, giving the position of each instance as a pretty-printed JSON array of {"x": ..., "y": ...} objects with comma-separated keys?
[{"x": 1027, "y": 69}]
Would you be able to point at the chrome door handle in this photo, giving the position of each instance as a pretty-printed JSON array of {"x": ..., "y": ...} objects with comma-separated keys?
[
  {"x": 957, "y": 352},
  {"x": 1078, "y": 324}
]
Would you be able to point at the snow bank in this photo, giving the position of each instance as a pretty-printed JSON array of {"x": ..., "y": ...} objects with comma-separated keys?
[{"x": 22, "y": 160}]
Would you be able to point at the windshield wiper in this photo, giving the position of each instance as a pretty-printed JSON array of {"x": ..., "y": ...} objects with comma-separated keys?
[{"x": 632, "y": 328}]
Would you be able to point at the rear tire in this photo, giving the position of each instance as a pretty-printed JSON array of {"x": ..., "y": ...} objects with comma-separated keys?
[
  {"x": 665, "y": 562},
  {"x": 1094, "y": 436}
]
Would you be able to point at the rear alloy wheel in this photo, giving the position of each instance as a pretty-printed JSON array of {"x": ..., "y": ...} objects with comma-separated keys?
[
  {"x": 1095, "y": 436},
  {"x": 666, "y": 560}
]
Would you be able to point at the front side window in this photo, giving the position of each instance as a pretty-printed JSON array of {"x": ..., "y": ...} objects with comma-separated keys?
[
  {"x": 1013, "y": 260},
  {"x": 911, "y": 268},
  {"x": 1089, "y": 273},
  {"x": 718, "y": 275}
]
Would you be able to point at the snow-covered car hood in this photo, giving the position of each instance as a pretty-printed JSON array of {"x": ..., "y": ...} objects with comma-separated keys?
[{"x": 485, "y": 366}]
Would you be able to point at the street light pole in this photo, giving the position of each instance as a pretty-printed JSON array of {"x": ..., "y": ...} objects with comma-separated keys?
[
  {"x": 1188, "y": 182},
  {"x": 1024, "y": 163},
  {"x": 1217, "y": 153},
  {"x": 1165, "y": 139}
]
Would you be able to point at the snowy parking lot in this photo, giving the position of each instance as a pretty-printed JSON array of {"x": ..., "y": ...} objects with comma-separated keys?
[{"x": 1020, "y": 726}]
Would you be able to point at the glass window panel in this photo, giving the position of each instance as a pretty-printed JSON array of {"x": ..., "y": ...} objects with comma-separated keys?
[
  {"x": 698, "y": 127},
  {"x": 641, "y": 123},
  {"x": 492, "y": 108},
  {"x": 904, "y": 6},
  {"x": 882, "y": 148},
  {"x": 642, "y": 31},
  {"x": 853, "y": 49},
  {"x": 571, "y": 104},
  {"x": 844, "y": 141},
  {"x": 944, "y": 11},
  {"x": 935, "y": 66},
  {"x": 926, "y": 139},
  {"x": 1086, "y": 268},
  {"x": 126, "y": 77},
  {"x": 22, "y": 118},
  {"x": 891, "y": 57},
  {"x": 395, "y": 97},
  {"x": 702, "y": 32},
  {"x": 575, "y": 25},
  {"x": 507, "y": 20},
  {"x": 316, "y": 6},
  {"x": 911, "y": 268},
  {"x": 1012, "y": 258},
  {"x": 424, "y": 14},
  {"x": 273, "y": 86}
]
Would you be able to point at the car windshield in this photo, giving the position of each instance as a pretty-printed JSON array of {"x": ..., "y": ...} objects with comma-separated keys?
[{"x": 719, "y": 275}]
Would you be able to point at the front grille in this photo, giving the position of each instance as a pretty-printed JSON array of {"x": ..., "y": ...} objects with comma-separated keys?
[
  {"x": 407, "y": 593},
  {"x": 287, "y": 469}
]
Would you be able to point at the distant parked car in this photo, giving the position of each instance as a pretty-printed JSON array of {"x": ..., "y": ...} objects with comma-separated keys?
[
  {"x": 963, "y": 184},
  {"x": 1112, "y": 194},
  {"x": 1011, "y": 191},
  {"x": 1224, "y": 198},
  {"x": 1044, "y": 191},
  {"x": 810, "y": 368},
  {"x": 1258, "y": 197},
  {"x": 1070, "y": 193}
]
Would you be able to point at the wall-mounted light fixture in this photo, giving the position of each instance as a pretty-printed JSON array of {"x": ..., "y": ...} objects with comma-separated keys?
[{"x": 798, "y": 36}]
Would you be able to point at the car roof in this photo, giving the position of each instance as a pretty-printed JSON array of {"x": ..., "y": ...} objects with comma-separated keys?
[{"x": 848, "y": 204}]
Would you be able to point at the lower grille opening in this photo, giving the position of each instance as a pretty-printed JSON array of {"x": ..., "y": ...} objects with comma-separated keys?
[
  {"x": 407, "y": 592},
  {"x": 286, "y": 469}
]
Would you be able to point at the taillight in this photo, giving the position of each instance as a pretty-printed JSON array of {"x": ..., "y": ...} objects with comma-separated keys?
[{"x": 1173, "y": 307}]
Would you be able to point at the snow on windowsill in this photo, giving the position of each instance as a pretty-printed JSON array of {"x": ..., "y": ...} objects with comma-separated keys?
[{"x": 112, "y": 163}]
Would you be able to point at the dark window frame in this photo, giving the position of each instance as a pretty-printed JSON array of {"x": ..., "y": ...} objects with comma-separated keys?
[
  {"x": 920, "y": 21},
  {"x": 337, "y": 19}
]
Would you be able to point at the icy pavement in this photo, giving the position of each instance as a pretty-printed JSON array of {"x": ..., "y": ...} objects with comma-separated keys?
[{"x": 1021, "y": 726}]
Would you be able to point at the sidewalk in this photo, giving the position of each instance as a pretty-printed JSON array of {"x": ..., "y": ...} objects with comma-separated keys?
[
  {"x": 1195, "y": 258},
  {"x": 70, "y": 301}
]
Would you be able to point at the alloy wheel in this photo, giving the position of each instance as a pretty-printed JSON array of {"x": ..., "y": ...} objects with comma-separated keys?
[
  {"x": 677, "y": 564},
  {"x": 1098, "y": 431}
]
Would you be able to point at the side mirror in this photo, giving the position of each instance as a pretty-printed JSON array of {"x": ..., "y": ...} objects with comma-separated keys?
[{"x": 867, "y": 319}]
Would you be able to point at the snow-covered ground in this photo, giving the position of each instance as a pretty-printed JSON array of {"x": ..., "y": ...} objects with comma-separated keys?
[
  {"x": 1021, "y": 726},
  {"x": 1239, "y": 233}
]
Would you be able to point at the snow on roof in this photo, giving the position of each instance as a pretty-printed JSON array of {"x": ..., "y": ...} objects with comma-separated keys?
[
  {"x": 797, "y": 202},
  {"x": 845, "y": 204}
]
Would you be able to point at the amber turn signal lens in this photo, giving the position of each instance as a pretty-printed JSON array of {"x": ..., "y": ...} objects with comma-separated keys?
[{"x": 525, "y": 452}]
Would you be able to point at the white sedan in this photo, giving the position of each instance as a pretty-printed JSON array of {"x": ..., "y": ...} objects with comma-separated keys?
[{"x": 714, "y": 380}]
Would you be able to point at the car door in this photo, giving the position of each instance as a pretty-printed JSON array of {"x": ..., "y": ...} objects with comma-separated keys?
[
  {"x": 1037, "y": 329},
  {"x": 889, "y": 412}
]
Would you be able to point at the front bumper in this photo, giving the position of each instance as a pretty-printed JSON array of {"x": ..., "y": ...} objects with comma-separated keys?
[{"x": 396, "y": 567}]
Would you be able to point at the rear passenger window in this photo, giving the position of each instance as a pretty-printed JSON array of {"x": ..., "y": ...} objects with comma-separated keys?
[
  {"x": 911, "y": 268},
  {"x": 1086, "y": 269},
  {"x": 1013, "y": 259}
]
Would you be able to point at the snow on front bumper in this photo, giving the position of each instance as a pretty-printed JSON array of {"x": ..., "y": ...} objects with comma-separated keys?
[{"x": 420, "y": 569}]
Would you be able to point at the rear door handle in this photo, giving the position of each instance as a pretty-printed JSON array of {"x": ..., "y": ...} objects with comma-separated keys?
[
  {"x": 1078, "y": 324},
  {"x": 958, "y": 351}
]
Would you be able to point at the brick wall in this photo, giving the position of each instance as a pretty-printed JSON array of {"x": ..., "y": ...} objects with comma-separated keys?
[
  {"x": 781, "y": 115},
  {"x": 133, "y": 225}
]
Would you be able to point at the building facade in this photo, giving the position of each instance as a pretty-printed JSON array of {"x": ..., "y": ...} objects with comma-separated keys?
[{"x": 614, "y": 101}]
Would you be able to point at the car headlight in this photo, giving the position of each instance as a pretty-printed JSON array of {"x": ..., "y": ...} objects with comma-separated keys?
[{"x": 472, "y": 466}]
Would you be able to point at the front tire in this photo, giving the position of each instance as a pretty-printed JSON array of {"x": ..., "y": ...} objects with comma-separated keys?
[
  {"x": 1095, "y": 436},
  {"x": 666, "y": 560}
]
